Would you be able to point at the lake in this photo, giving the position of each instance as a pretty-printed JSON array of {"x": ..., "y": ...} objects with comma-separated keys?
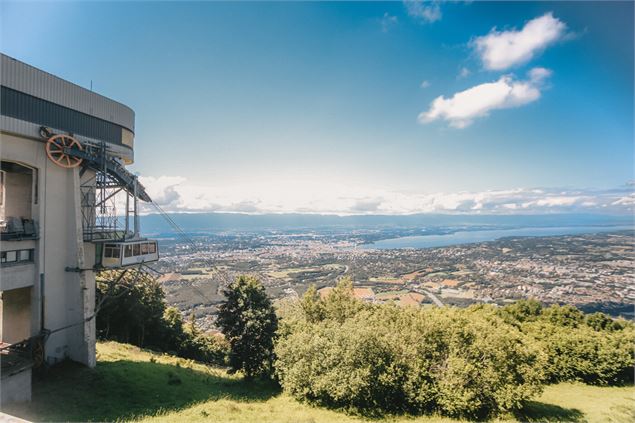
[{"x": 467, "y": 237}]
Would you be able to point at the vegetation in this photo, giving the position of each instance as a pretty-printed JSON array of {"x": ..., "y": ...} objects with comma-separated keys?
[
  {"x": 134, "y": 384},
  {"x": 342, "y": 353},
  {"x": 132, "y": 309},
  {"x": 381, "y": 360},
  {"x": 474, "y": 362},
  {"x": 248, "y": 321},
  {"x": 592, "y": 348}
]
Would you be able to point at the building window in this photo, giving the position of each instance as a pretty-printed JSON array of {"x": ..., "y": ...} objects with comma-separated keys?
[
  {"x": 24, "y": 255},
  {"x": 16, "y": 256}
]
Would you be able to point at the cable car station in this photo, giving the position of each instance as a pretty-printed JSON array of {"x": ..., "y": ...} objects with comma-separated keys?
[{"x": 68, "y": 209}]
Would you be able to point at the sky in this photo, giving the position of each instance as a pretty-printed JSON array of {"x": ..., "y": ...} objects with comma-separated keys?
[{"x": 357, "y": 108}]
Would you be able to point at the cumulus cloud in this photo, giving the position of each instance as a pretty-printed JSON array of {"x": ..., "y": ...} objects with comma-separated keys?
[
  {"x": 162, "y": 189},
  {"x": 462, "y": 108},
  {"x": 424, "y": 10},
  {"x": 180, "y": 195},
  {"x": 501, "y": 50}
]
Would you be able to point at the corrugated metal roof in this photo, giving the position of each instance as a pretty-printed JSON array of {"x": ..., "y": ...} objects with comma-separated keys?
[{"x": 30, "y": 80}]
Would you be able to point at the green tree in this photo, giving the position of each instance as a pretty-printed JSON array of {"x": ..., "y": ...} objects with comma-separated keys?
[
  {"x": 248, "y": 321},
  {"x": 133, "y": 310},
  {"x": 311, "y": 305},
  {"x": 132, "y": 307}
]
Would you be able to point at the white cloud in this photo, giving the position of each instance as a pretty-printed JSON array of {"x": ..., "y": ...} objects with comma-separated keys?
[
  {"x": 463, "y": 107},
  {"x": 424, "y": 84},
  {"x": 162, "y": 189},
  {"x": 388, "y": 21},
  {"x": 424, "y": 10},
  {"x": 500, "y": 50},
  {"x": 464, "y": 72},
  {"x": 176, "y": 194},
  {"x": 627, "y": 200}
]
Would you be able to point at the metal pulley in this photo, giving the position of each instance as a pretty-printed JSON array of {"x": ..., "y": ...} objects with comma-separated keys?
[{"x": 57, "y": 148}]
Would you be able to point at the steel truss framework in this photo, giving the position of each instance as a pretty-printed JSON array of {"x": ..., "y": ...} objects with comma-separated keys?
[{"x": 111, "y": 187}]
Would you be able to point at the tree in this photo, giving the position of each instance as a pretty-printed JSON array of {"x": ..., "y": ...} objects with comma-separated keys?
[
  {"x": 132, "y": 307},
  {"x": 248, "y": 321}
]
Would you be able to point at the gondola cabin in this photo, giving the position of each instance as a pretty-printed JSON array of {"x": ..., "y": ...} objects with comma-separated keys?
[{"x": 128, "y": 253}]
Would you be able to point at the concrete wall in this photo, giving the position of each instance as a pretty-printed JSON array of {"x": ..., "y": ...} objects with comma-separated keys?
[
  {"x": 19, "y": 275},
  {"x": 15, "y": 387},
  {"x": 67, "y": 297},
  {"x": 15, "y": 308}
]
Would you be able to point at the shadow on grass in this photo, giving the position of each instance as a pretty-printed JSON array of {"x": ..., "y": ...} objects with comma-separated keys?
[
  {"x": 541, "y": 412},
  {"x": 121, "y": 390}
]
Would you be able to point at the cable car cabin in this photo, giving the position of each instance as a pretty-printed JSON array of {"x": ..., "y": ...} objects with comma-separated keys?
[{"x": 128, "y": 253}]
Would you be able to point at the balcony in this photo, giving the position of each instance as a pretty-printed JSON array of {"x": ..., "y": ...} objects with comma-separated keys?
[{"x": 17, "y": 229}]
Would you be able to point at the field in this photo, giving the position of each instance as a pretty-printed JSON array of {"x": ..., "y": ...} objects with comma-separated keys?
[{"x": 134, "y": 384}]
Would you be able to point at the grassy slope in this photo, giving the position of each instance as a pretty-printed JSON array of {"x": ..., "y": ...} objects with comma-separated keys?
[{"x": 130, "y": 383}]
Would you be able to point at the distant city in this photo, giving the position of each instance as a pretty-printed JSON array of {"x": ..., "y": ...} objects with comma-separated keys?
[{"x": 584, "y": 260}]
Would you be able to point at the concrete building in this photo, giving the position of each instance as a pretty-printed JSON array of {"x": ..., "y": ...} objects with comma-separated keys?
[{"x": 53, "y": 136}]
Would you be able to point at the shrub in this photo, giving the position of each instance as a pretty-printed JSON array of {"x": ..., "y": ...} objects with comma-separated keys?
[
  {"x": 378, "y": 359},
  {"x": 566, "y": 315},
  {"x": 584, "y": 354},
  {"x": 593, "y": 348},
  {"x": 522, "y": 311}
]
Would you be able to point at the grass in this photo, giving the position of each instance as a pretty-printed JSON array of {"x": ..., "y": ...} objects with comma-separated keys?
[{"x": 133, "y": 384}]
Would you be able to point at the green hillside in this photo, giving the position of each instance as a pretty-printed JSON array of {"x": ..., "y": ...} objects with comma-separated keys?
[{"x": 134, "y": 384}]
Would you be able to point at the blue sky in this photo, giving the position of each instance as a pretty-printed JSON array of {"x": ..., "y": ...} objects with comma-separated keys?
[{"x": 358, "y": 107}]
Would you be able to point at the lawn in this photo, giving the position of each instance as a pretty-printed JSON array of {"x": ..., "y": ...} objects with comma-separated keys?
[{"x": 134, "y": 384}]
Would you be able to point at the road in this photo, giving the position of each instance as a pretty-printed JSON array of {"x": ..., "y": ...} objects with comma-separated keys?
[{"x": 433, "y": 297}]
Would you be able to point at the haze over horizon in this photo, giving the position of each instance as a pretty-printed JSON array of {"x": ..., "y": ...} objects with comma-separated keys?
[{"x": 358, "y": 108}]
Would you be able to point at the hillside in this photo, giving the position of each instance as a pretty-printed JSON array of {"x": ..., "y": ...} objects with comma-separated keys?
[{"x": 134, "y": 384}]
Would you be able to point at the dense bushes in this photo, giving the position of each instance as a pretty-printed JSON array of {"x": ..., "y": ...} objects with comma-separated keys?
[
  {"x": 473, "y": 362},
  {"x": 340, "y": 352},
  {"x": 132, "y": 309},
  {"x": 594, "y": 349}
]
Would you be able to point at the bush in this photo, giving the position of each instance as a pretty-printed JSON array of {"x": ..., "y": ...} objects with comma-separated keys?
[
  {"x": 377, "y": 359},
  {"x": 582, "y": 354},
  {"x": 593, "y": 349}
]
